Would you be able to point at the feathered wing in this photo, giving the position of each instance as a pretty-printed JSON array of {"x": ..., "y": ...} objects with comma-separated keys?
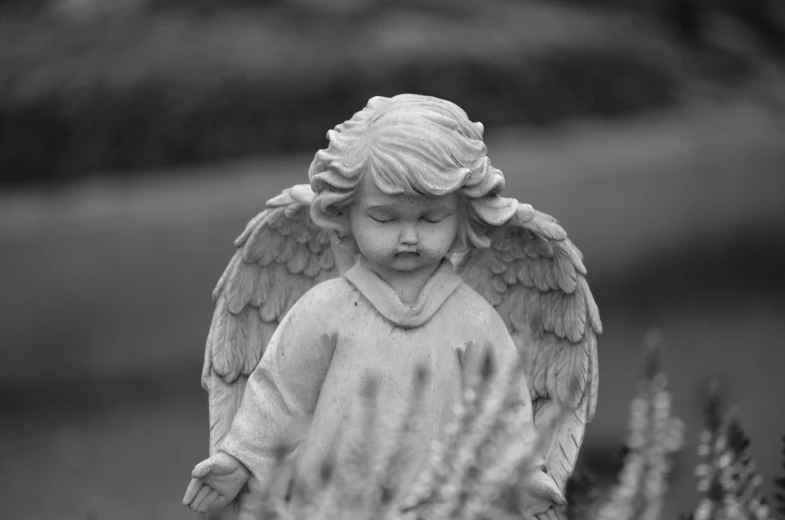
[
  {"x": 535, "y": 278},
  {"x": 280, "y": 255}
]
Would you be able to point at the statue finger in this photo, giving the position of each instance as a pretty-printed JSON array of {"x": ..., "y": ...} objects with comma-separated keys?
[
  {"x": 543, "y": 487},
  {"x": 550, "y": 514},
  {"x": 203, "y": 469},
  {"x": 213, "y": 498},
  {"x": 198, "y": 501},
  {"x": 191, "y": 491},
  {"x": 208, "y": 501}
]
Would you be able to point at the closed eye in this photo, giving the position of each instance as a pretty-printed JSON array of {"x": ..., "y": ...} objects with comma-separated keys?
[
  {"x": 434, "y": 217},
  {"x": 381, "y": 220}
]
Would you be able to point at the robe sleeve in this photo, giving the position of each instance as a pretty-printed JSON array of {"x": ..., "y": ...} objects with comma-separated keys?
[{"x": 282, "y": 391}]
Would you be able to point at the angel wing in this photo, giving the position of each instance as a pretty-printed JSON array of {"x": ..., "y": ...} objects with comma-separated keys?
[
  {"x": 280, "y": 255},
  {"x": 535, "y": 278}
]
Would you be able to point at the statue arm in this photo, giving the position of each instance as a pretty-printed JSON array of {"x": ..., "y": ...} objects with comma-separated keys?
[{"x": 283, "y": 389}]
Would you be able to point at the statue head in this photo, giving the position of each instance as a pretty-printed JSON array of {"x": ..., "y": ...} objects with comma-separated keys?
[{"x": 410, "y": 144}]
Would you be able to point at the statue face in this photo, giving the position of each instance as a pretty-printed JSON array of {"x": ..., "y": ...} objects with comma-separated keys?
[{"x": 403, "y": 232}]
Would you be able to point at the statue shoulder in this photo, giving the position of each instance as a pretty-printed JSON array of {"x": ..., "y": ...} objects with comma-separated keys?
[
  {"x": 325, "y": 298},
  {"x": 476, "y": 309}
]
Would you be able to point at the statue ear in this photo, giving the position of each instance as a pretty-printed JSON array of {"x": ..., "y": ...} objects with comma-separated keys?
[
  {"x": 336, "y": 219},
  {"x": 332, "y": 218},
  {"x": 344, "y": 252}
]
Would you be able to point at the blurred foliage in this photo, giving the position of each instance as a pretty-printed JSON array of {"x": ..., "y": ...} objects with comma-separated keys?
[
  {"x": 480, "y": 468},
  {"x": 689, "y": 18},
  {"x": 779, "y": 484},
  {"x": 92, "y": 85},
  {"x": 652, "y": 439},
  {"x": 727, "y": 476}
]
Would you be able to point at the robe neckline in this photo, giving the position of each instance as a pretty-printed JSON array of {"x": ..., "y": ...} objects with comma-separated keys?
[{"x": 442, "y": 283}]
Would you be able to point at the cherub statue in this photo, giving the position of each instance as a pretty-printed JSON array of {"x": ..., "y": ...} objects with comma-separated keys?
[{"x": 401, "y": 253}]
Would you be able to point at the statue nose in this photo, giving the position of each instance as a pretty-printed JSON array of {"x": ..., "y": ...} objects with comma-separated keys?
[{"x": 408, "y": 236}]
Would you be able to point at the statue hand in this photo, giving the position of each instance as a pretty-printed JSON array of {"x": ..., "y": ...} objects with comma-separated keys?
[
  {"x": 216, "y": 480},
  {"x": 540, "y": 493}
]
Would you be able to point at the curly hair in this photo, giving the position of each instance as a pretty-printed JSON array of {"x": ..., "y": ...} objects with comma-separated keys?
[{"x": 410, "y": 144}]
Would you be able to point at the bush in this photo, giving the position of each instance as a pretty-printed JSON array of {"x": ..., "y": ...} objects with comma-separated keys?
[{"x": 146, "y": 92}]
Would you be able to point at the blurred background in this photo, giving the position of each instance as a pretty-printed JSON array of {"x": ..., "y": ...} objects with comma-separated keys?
[{"x": 137, "y": 137}]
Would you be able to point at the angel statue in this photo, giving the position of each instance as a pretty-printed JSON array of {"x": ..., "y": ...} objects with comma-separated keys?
[{"x": 400, "y": 253}]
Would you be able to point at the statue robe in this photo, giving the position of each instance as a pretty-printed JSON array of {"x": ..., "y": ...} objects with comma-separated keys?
[{"x": 345, "y": 330}]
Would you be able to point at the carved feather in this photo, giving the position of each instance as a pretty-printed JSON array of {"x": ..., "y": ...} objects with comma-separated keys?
[
  {"x": 535, "y": 277},
  {"x": 291, "y": 211},
  {"x": 280, "y": 255},
  {"x": 539, "y": 223},
  {"x": 315, "y": 244},
  {"x": 566, "y": 276},
  {"x": 275, "y": 302},
  {"x": 300, "y": 259},
  {"x": 497, "y": 265},
  {"x": 498, "y": 284},
  {"x": 269, "y": 245},
  {"x": 275, "y": 220},
  {"x": 503, "y": 244},
  {"x": 326, "y": 261},
  {"x": 312, "y": 268},
  {"x": 287, "y": 253},
  {"x": 241, "y": 285},
  {"x": 518, "y": 249},
  {"x": 252, "y": 224},
  {"x": 262, "y": 287}
]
